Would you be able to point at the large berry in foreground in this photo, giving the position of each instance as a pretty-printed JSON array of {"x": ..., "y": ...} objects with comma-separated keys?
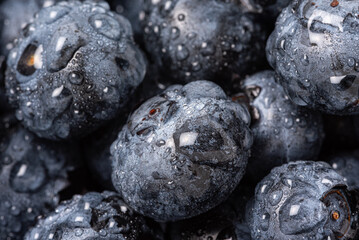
[
  {"x": 182, "y": 152},
  {"x": 304, "y": 200},
  {"x": 73, "y": 69},
  {"x": 314, "y": 50}
]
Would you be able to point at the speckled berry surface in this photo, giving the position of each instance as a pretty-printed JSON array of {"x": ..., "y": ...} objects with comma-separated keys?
[
  {"x": 182, "y": 152},
  {"x": 282, "y": 130},
  {"x": 32, "y": 173},
  {"x": 73, "y": 69},
  {"x": 92, "y": 216},
  {"x": 314, "y": 50},
  {"x": 190, "y": 40},
  {"x": 303, "y": 200}
]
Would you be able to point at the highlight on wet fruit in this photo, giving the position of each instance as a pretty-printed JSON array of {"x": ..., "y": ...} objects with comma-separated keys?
[
  {"x": 73, "y": 69},
  {"x": 181, "y": 153},
  {"x": 179, "y": 119}
]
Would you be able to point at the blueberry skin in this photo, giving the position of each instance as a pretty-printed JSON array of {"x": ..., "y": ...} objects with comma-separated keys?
[
  {"x": 303, "y": 200},
  {"x": 282, "y": 131},
  {"x": 313, "y": 50},
  {"x": 91, "y": 216},
  {"x": 193, "y": 39},
  {"x": 347, "y": 165},
  {"x": 73, "y": 69},
  {"x": 182, "y": 152},
  {"x": 32, "y": 173}
]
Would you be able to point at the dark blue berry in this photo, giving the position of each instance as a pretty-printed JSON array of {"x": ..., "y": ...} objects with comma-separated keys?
[
  {"x": 313, "y": 50},
  {"x": 92, "y": 216},
  {"x": 190, "y": 40},
  {"x": 304, "y": 200},
  {"x": 73, "y": 69},
  {"x": 182, "y": 152},
  {"x": 32, "y": 173},
  {"x": 282, "y": 131}
]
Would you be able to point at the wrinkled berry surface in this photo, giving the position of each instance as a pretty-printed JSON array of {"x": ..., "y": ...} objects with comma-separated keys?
[
  {"x": 182, "y": 152},
  {"x": 73, "y": 69},
  {"x": 91, "y": 216},
  {"x": 190, "y": 40},
  {"x": 303, "y": 200},
  {"x": 32, "y": 173},
  {"x": 315, "y": 53},
  {"x": 282, "y": 131}
]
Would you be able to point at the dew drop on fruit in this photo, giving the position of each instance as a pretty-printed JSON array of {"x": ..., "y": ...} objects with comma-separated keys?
[
  {"x": 265, "y": 221},
  {"x": 182, "y": 53},
  {"x": 276, "y": 197}
]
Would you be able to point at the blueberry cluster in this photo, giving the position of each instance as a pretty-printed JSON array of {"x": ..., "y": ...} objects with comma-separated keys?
[{"x": 179, "y": 119}]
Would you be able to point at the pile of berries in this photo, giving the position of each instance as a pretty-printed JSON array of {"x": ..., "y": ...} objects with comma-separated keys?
[{"x": 179, "y": 119}]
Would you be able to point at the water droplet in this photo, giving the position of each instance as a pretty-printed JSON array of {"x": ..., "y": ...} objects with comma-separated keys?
[
  {"x": 160, "y": 143},
  {"x": 305, "y": 60},
  {"x": 75, "y": 78},
  {"x": 351, "y": 62},
  {"x": 275, "y": 197},
  {"x": 182, "y": 53},
  {"x": 264, "y": 223},
  {"x": 181, "y": 17},
  {"x": 78, "y": 232},
  {"x": 175, "y": 33}
]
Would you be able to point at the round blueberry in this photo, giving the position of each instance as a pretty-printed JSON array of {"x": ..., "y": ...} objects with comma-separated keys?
[
  {"x": 182, "y": 152},
  {"x": 32, "y": 173},
  {"x": 304, "y": 200},
  {"x": 282, "y": 131},
  {"x": 313, "y": 50},
  {"x": 92, "y": 216},
  {"x": 190, "y": 40},
  {"x": 73, "y": 69}
]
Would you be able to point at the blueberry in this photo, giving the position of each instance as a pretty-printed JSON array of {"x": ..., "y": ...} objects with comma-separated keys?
[
  {"x": 190, "y": 40},
  {"x": 282, "y": 131},
  {"x": 304, "y": 200},
  {"x": 73, "y": 69},
  {"x": 313, "y": 50},
  {"x": 182, "y": 152},
  {"x": 347, "y": 165},
  {"x": 92, "y": 216},
  {"x": 32, "y": 173}
]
